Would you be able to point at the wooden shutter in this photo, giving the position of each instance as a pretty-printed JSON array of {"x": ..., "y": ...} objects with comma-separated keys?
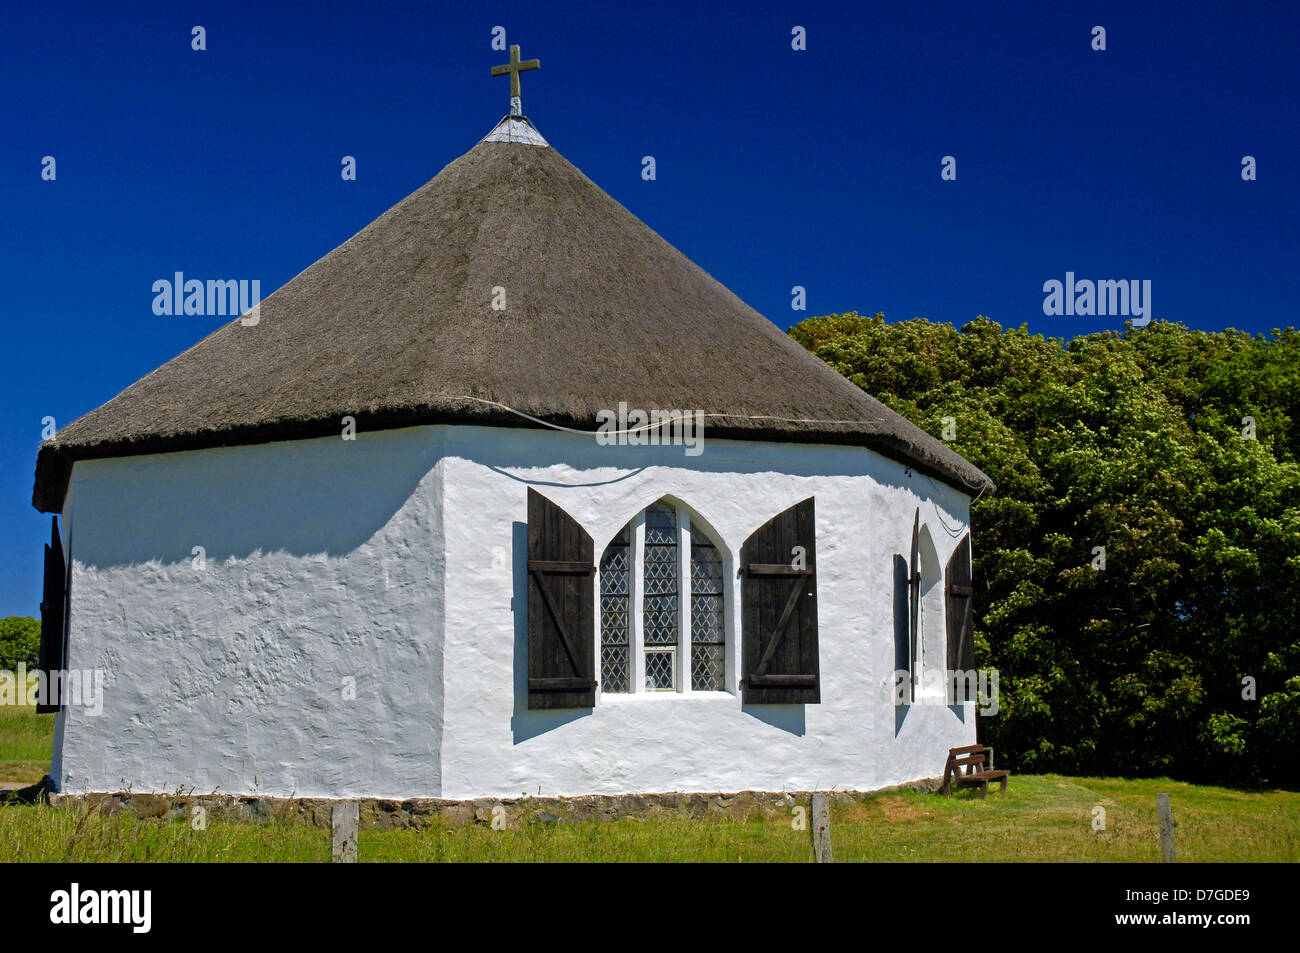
[
  {"x": 960, "y": 613},
  {"x": 914, "y": 590},
  {"x": 53, "y": 613},
  {"x": 779, "y": 612},
  {"x": 561, "y": 608},
  {"x": 902, "y": 623}
]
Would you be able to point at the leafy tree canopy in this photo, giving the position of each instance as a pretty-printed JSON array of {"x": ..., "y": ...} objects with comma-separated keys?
[
  {"x": 20, "y": 641},
  {"x": 1136, "y": 441}
]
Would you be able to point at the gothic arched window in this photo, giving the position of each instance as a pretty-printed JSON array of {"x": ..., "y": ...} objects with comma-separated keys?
[{"x": 662, "y": 606}]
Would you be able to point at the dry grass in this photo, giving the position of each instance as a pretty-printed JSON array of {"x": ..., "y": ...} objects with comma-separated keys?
[
  {"x": 75, "y": 833},
  {"x": 1041, "y": 818},
  {"x": 1050, "y": 818}
]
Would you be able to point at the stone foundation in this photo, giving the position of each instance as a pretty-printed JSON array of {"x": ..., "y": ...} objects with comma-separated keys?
[{"x": 434, "y": 812}]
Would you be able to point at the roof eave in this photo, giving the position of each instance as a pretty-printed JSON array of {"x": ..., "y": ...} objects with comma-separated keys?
[{"x": 54, "y": 461}]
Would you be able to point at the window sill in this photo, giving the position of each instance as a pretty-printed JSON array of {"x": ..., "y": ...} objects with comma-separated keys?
[{"x": 629, "y": 698}]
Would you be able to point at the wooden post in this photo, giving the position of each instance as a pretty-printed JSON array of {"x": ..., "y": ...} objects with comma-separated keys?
[
  {"x": 821, "y": 828},
  {"x": 1166, "y": 829},
  {"x": 345, "y": 819}
]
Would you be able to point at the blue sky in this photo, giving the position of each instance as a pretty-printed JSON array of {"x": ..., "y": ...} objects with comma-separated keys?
[{"x": 775, "y": 167}]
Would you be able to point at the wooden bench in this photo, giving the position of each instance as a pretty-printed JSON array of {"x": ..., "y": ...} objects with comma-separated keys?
[{"x": 978, "y": 762}]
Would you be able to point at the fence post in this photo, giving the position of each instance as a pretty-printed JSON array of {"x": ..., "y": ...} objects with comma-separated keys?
[
  {"x": 1166, "y": 829},
  {"x": 345, "y": 819},
  {"x": 821, "y": 828}
]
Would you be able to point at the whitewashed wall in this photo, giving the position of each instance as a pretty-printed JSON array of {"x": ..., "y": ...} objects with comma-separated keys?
[
  {"x": 325, "y": 560},
  {"x": 855, "y": 738},
  {"x": 323, "y": 563}
]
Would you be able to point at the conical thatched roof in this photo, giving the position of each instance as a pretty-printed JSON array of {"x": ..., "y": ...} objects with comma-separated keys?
[{"x": 395, "y": 327}]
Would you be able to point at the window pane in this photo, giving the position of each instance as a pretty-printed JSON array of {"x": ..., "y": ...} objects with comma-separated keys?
[
  {"x": 708, "y": 637},
  {"x": 661, "y": 524},
  {"x": 659, "y": 665},
  {"x": 706, "y": 564},
  {"x": 615, "y": 614},
  {"x": 660, "y": 607},
  {"x": 707, "y": 668}
]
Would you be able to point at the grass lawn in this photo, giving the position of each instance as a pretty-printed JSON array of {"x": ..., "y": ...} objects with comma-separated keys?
[
  {"x": 26, "y": 741},
  {"x": 1040, "y": 818}
]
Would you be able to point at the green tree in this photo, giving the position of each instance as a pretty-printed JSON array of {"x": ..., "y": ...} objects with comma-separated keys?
[
  {"x": 20, "y": 641},
  {"x": 1138, "y": 442}
]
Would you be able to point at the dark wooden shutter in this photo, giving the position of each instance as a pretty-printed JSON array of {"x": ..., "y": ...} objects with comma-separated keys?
[
  {"x": 561, "y": 608},
  {"x": 53, "y": 612},
  {"x": 779, "y": 613},
  {"x": 960, "y": 613},
  {"x": 914, "y": 590},
  {"x": 902, "y": 623}
]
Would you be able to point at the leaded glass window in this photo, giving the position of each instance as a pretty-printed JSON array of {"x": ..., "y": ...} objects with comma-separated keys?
[
  {"x": 660, "y": 666},
  {"x": 661, "y": 600},
  {"x": 662, "y": 609},
  {"x": 708, "y": 637},
  {"x": 616, "y": 613}
]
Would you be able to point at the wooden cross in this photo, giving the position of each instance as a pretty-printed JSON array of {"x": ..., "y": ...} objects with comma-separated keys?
[{"x": 514, "y": 68}]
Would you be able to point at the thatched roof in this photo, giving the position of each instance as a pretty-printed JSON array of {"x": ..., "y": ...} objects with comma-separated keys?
[{"x": 395, "y": 327}]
